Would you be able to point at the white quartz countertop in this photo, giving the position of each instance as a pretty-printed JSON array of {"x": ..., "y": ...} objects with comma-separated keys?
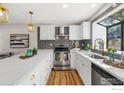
[
  {"x": 12, "y": 69},
  {"x": 117, "y": 72}
]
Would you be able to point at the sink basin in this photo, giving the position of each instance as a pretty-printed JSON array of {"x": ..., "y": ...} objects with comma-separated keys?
[
  {"x": 94, "y": 56},
  {"x": 6, "y": 55}
]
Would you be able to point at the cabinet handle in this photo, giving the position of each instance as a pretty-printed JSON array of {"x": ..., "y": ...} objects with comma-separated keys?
[{"x": 33, "y": 76}]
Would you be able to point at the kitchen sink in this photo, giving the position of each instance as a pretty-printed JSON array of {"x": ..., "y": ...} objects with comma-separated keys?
[
  {"x": 6, "y": 55},
  {"x": 94, "y": 56}
]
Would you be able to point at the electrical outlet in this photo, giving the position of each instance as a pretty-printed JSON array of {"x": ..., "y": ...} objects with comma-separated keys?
[{"x": 51, "y": 44}]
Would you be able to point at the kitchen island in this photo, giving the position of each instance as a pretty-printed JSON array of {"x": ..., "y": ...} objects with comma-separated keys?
[{"x": 31, "y": 71}]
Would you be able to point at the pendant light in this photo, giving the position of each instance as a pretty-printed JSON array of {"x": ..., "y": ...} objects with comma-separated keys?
[
  {"x": 3, "y": 14},
  {"x": 30, "y": 25}
]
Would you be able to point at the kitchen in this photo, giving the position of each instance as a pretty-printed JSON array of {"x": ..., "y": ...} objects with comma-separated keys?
[{"x": 79, "y": 48}]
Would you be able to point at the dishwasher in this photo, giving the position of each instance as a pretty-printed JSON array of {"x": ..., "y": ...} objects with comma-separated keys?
[{"x": 102, "y": 77}]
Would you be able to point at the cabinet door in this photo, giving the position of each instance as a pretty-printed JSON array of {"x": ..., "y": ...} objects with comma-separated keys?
[
  {"x": 32, "y": 78},
  {"x": 47, "y": 32},
  {"x": 83, "y": 66},
  {"x": 51, "y": 32},
  {"x": 73, "y": 61},
  {"x": 85, "y": 30},
  {"x": 79, "y": 65},
  {"x": 74, "y": 32},
  {"x": 87, "y": 71},
  {"x": 47, "y": 67},
  {"x": 43, "y": 32}
]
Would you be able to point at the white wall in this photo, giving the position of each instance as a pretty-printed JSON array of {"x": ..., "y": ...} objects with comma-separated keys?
[
  {"x": 103, "y": 9},
  {"x": 98, "y": 31},
  {"x": 6, "y": 30}
]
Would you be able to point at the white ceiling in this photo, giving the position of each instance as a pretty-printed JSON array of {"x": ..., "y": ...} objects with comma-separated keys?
[{"x": 54, "y": 13}]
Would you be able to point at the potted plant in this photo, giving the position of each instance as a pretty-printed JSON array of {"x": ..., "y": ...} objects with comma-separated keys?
[
  {"x": 88, "y": 47},
  {"x": 111, "y": 52},
  {"x": 34, "y": 51}
]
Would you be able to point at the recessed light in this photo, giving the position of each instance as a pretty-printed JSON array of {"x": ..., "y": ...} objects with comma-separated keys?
[
  {"x": 93, "y": 5},
  {"x": 65, "y": 5}
]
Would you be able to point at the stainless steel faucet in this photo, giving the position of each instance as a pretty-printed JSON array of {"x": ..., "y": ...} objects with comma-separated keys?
[
  {"x": 122, "y": 57},
  {"x": 102, "y": 44}
]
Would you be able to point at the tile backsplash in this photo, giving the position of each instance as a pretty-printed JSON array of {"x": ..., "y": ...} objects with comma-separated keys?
[{"x": 49, "y": 44}]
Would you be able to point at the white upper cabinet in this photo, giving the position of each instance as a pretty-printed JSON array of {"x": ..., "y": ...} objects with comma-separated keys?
[
  {"x": 79, "y": 32},
  {"x": 47, "y": 32},
  {"x": 74, "y": 32},
  {"x": 85, "y": 30}
]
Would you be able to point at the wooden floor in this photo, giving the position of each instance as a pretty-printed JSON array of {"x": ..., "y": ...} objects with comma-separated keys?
[{"x": 69, "y": 77}]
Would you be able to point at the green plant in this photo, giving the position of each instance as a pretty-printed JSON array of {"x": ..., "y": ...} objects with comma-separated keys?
[
  {"x": 34, "y": 51},
  {"x": 111, "y": 50},
  {"x": 88, "y": 47}
]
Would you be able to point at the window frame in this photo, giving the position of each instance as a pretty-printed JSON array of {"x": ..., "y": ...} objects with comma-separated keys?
[{"x": 122, "y": 34}]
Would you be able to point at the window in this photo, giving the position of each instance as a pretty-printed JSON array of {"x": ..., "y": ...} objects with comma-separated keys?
[{"x": 114, "y": 37}]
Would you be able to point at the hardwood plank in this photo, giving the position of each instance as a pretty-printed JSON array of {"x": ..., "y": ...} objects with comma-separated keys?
[
  {"x": 51, "y": 78},
  {"x": 76, "y": 77},
  {"x": 57, "y": 78},
  {"x": 69, "y": 77},
  {"x": 63, "y": 79}
]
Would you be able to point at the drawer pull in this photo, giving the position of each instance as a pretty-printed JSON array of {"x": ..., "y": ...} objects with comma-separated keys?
[{"x": 33, "y": 76}]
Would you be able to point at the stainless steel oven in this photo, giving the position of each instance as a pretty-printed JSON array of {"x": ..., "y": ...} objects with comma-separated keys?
[{"x": 61, "y": 57}]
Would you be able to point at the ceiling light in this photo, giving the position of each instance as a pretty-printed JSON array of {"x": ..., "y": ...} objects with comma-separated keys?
[
  {"x": 3, "y": 14},
  {"x": 65, "y": 5},
  {"x": 30, "y": 25},
  {"x": 93, "y": 5}
]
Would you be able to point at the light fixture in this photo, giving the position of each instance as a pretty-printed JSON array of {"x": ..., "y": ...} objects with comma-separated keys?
[
  {"x": 30, "y": 25},
  {"x": 93, "y": 5},
  {"x": 3, "y": 14},
  {"x": 65, "y": 5}
]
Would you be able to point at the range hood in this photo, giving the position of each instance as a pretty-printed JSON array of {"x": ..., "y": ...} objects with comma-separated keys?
[
  {"x": 62, "y": 31},
  {"x": 113, "y": 19}
]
